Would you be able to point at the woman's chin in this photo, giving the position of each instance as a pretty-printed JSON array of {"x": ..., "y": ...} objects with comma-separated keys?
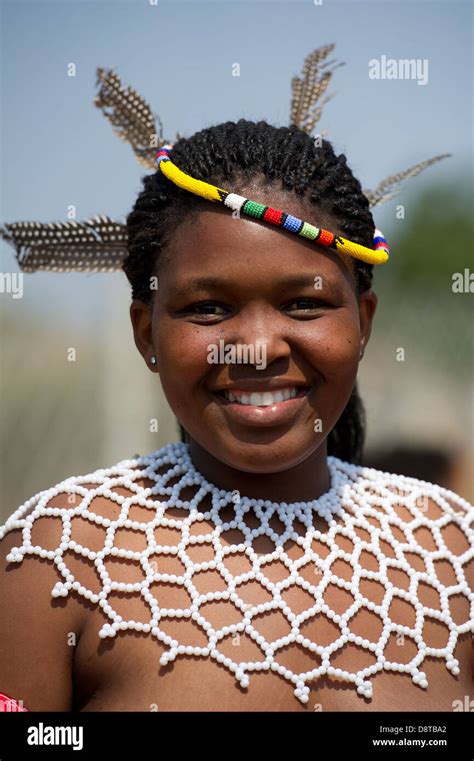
[{"x": 263, "y": 452}]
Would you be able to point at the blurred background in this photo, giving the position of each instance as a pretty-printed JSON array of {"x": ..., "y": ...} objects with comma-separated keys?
[{"x": 61, "y": 418}]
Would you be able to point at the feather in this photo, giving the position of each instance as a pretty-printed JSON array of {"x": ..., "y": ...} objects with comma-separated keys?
[
  {"x": 100, "y": 244},
  {"x": 385, "y": 190},
  {"x": 96, "y": 245},
  {"x": 309, "y": 89},
  {"x": 130, "y": 116}
]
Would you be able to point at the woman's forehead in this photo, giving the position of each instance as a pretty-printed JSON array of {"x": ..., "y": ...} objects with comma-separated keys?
[{"x": 214, "y": 242}]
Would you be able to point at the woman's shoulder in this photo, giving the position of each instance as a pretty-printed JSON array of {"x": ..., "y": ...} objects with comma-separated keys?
[
  {"x": 48, "y": 548},
  {"x": 395, "y": 488},
  {"x": 413, "y": 511},
  {"x": 57, "y": 545},
  {"x": 66, "y": 525},
  {"x": 100, "y": 492}
]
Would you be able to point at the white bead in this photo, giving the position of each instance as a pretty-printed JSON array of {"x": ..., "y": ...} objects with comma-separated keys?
[{"x": 356, "y": 494}]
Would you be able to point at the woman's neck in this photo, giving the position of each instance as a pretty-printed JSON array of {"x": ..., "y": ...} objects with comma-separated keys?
[{"x": 304, "y": 482}]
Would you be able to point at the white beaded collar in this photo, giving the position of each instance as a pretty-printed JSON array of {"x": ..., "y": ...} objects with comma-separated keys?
[{"x": 355, "y": 494}]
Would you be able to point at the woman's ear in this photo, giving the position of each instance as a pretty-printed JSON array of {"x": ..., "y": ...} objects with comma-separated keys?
[
  {"x": 367, "y": 307},
  {"x": 141, "y": 318}
]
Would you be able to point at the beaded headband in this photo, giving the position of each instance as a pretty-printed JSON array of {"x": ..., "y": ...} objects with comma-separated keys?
[
  {"x": 378, "y": 255},
  {"x": 100, "y": 244}
]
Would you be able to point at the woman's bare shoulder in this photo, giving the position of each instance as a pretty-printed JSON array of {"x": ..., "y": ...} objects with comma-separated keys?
[
  {"x": 77, "y": 501},
  {"x": 46, "y": 575},
  {"x": 38, "y": 633},
  {"x": 429, "y": 522}
]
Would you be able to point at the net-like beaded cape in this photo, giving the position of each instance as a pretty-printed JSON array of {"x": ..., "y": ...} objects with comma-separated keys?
[{"x": 356, "y": 493}]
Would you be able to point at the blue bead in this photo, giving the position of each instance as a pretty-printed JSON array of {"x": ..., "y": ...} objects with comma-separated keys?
[{"x": 292, "y": 223}]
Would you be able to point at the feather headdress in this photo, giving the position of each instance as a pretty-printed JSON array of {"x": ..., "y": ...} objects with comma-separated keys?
[{"x": 100, "y": 244}]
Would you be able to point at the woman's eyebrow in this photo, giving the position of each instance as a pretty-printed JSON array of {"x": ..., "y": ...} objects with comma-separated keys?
[
  {"x": 202, "y": 283},
  {"x": 304, "y": 281}
]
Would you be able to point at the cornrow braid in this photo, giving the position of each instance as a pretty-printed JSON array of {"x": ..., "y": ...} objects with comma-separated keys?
[{"x": 246, "y": 152}]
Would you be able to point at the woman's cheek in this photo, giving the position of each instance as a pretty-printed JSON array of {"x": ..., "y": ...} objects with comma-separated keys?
[
  {"x": 332, "y": 344},
  {"x": 334, "y": 349},
  {"x": 182, "y": 352}
]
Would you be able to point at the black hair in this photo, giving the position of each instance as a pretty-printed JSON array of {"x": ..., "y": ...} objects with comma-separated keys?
[{"x": 242, "y": 153}]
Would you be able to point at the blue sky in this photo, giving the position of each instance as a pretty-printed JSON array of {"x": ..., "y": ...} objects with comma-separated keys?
[{"x": 57, "y": 148}]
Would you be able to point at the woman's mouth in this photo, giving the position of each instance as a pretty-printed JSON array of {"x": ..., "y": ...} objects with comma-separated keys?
[
  {"x": 262, "y": 407},
  {"x": 265, "y": 398}
]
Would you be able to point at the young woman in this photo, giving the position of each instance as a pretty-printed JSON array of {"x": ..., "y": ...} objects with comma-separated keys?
[{"x": 254, "y": 565}]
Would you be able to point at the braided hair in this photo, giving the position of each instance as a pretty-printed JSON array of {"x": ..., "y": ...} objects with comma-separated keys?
[{"x": 245, "y": 152}]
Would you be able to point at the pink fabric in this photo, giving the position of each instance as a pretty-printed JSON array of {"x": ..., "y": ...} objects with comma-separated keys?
[{"x": 10, "y": 704}]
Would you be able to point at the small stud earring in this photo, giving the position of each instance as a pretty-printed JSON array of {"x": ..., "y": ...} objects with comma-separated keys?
[{"x": 153, "y": 360}]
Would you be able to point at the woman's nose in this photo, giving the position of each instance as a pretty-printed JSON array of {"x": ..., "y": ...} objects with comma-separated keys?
[{"x": 263, "y": 330}]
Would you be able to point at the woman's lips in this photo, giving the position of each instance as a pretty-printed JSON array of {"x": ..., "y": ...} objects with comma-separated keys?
[{"x": 273, "y": 414}]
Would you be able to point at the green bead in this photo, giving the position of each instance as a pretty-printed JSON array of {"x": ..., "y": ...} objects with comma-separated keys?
[
  {"x": 253, "y": 209},
  {"x": 309, "y": 231}
]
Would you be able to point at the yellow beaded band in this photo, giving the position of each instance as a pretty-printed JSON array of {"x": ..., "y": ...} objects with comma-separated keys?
[{"x": 378, "y": 255}]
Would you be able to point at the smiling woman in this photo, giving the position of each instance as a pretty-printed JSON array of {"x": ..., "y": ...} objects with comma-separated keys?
[
  {"x": 257, "y": 549},
  {"x": 317, "y": 347},
  {"x": 286, "y": 167}
]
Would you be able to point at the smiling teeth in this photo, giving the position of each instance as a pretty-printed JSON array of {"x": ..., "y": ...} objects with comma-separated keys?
[{"x": 262, "y": 400}]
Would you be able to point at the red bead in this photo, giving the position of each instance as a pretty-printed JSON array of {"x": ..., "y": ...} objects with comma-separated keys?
[{"x": 273, "y": 216}]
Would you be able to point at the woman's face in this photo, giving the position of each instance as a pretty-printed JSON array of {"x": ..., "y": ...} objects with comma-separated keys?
[{"x": 228, "y": 317}]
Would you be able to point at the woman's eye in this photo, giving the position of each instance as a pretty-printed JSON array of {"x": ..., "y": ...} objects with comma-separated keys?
[
  {"x": 308, "y": 305},
  {"x": 205, "y": 309}
]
